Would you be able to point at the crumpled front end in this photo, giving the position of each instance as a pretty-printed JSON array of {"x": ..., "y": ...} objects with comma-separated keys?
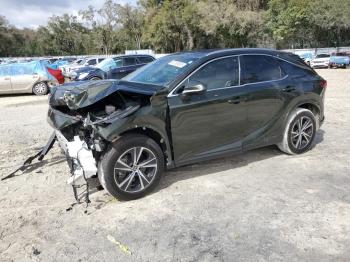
[{"x": 81, "y": 113}]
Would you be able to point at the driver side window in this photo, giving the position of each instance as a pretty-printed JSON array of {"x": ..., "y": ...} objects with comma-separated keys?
[{"x": 220, "y": 73}]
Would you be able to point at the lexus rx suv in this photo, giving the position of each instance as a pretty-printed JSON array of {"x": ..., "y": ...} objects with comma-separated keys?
[{"x": 185, "y": 108}]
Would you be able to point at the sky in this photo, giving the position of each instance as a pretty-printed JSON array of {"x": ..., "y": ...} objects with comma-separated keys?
[{"x": 33, "y": 13}]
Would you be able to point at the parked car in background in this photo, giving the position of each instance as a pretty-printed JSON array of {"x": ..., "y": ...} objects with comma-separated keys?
[
  {"x": 182, "y": 109},
  {"x": 32, "y": 77},
  {"x": 339, "y": 61},
  {"x": 65, "y": 68},
  {"x": 58, "y": 63},
  {"x": 306, "y": 56},
  {"x": 57, "y": 73},
  {"x": 320, "y": 61},
  {"x": 92, "y": 61},
  {"x": 112, "y": 68}
]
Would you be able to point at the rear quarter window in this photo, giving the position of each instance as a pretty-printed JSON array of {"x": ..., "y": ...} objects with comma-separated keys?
[{"x": 296, "y": 70}]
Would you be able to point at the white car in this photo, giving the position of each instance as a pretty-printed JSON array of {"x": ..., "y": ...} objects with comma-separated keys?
[
  {"x": 70, "y": 69},
  {"x": 320, "y": 61}
]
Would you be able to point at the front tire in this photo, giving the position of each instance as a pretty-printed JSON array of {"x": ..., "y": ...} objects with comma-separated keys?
[
  {"x": 132, "y": 167},
  {"x": 299, "y": 133},
  {"x": 40, "y": 89}
]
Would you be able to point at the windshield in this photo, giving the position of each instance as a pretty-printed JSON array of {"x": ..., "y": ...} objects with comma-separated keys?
[
  {"x": 107, "y": 64},
  {"x": 163, "y": 70}
]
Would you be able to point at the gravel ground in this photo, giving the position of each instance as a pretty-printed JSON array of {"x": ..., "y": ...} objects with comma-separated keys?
[{"x": 259, "y": 206}]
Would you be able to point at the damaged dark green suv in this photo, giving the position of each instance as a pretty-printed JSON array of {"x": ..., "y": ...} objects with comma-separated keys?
[{"x": 184, "y": 108}]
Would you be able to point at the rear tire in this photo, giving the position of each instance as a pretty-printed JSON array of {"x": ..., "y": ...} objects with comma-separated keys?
[
  {"x": 40, "y": 89},
  {"x": 132, "y": 167},
  {"x": 299, "y": 132}
]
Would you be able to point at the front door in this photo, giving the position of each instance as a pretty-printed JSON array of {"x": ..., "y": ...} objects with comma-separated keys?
[{"x": 213, "y": 122}]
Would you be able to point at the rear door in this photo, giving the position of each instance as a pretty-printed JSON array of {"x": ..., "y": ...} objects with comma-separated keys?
[
  {"x": 5, "y": 80},
  {"x": 264, "y": 80},
  {"x": 129, "y": 65},
  {"x": 23, "y": 77}
]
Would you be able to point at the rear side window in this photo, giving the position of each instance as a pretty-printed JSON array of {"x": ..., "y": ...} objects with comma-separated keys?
[
  {"x": 129, "y": 61},
  {"x": 218, "y": 74},
  {"x": 92, "y": 62},
  {"x": 22, "y": 69},
  {"x": 145, "y": 59},
  {"x": 259, "y": 68},
  {"x": 4, "y": 71}
]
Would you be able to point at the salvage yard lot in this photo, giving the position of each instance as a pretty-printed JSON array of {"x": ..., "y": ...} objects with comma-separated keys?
[{"x": 262, "y": 205}]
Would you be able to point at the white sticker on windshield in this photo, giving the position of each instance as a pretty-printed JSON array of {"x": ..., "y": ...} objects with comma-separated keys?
[{"x": 177, "y": 64}]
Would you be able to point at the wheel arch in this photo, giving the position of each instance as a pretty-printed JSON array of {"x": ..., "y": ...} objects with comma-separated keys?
[
  {"x": 313, "y": 107},
  {"x": 158, "y": 138},
  {"x": 95, "y": 76}
]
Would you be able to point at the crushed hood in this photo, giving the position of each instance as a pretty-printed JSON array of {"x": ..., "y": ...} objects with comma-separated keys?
[{"x": 83, "y": 94}]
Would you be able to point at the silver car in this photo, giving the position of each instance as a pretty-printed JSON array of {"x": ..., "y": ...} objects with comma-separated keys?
[{"x": 31, "y": 77}]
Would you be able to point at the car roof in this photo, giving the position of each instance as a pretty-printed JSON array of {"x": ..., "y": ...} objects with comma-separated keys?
[
  {"x": 208, "y": 54},
  {"x": 132, "y": 55},
  {"x": 231, "y": 51}
]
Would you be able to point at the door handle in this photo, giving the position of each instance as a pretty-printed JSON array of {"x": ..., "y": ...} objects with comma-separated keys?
[
  {"x": 235, "y": 100},
  {"x": 289, "y": 89}
]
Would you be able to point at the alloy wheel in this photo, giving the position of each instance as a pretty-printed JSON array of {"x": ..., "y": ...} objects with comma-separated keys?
[
  {"x": 302, "y": 132},
  {"x": 135, "y": 169},
  {"x": 40, "y": 88}
]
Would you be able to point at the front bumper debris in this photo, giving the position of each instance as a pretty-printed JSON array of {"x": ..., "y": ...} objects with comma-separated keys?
[
  {"x": 82, "y": 162},
  {"x": 39, "y": 155}
]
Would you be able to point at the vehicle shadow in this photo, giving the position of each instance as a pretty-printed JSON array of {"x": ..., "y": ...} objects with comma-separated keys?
[
  {"x": 226, "y": 163},
  {"x": 35, "y": 167},
  {"x": 196, "y": 170},
  {"x": 16, "y": 95}
]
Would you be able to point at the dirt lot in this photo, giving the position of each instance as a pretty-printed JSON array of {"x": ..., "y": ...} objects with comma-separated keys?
[{"x": 259, "y": 206}]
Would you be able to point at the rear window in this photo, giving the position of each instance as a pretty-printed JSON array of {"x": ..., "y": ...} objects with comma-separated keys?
[
  {"x": 145, "y": 59},
  {"x": 259, "y": 68}
]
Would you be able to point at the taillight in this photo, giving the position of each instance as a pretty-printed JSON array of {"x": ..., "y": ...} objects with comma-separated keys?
[{"x": 323, "y": 83}]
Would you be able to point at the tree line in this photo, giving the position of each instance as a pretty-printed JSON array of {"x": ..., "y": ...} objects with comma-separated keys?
[{"x": 168, "y": 26}]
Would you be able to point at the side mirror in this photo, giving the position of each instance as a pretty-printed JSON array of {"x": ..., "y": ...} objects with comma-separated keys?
[{"x": 194, "y": 89}]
